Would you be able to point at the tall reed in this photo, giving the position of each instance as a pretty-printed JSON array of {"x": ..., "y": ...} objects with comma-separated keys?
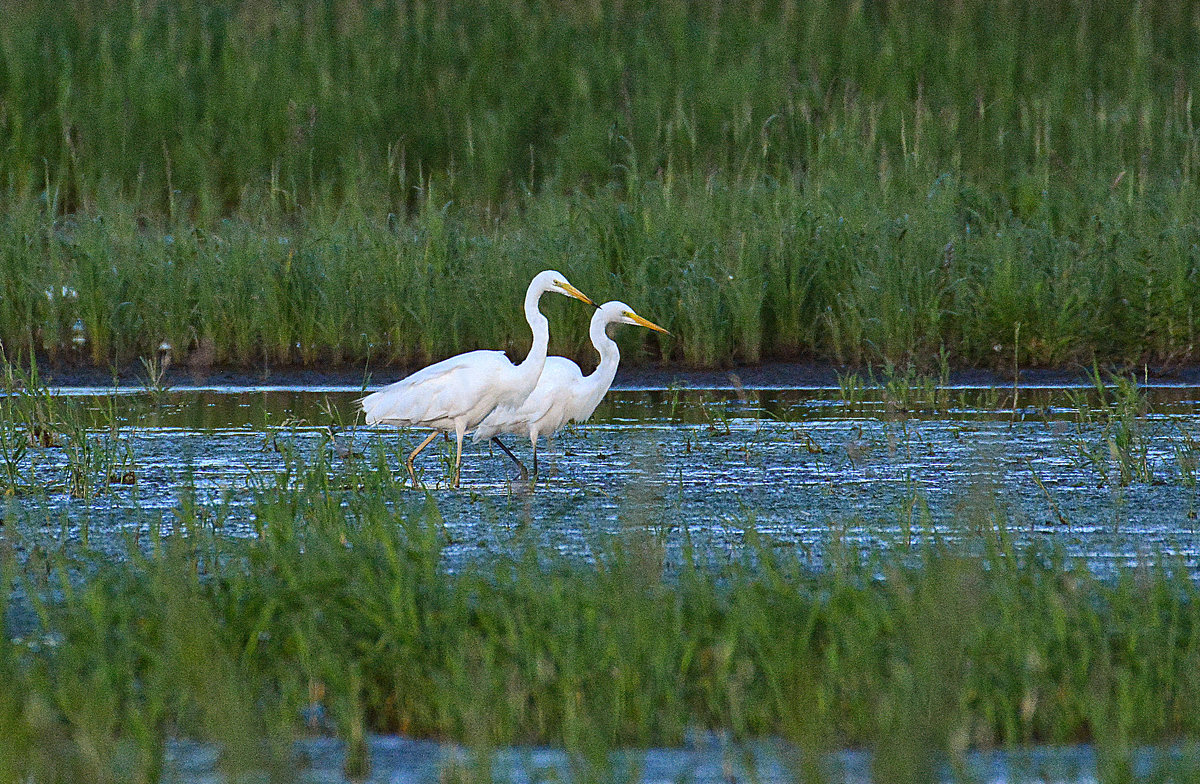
[
  {"x": 740, "y": 271},
  {"x": 184, "y": 107}
]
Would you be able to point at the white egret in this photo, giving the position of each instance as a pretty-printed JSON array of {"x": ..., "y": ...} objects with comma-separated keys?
[
  {"x": 457, "y": 393},
  {"x": 563, "y": 393}
]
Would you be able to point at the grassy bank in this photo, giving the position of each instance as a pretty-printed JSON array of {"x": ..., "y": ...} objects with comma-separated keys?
[
  {"x": 259, "y": 185},
  {"x": 339, "y": 616},
  {"x": 929, "y": 272}
]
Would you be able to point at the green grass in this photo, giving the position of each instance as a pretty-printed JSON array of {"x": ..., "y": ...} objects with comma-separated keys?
[
  {"x": 342, "y": 601},
  {"x": 195, "y": 109},
  {"x": 341, "y": 605},
  {"x": 265, "y": 185},
  {"x": 743, "y": 272}
]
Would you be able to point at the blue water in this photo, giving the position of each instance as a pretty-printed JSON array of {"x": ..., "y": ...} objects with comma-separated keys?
[{"x": 802, "y": 467}]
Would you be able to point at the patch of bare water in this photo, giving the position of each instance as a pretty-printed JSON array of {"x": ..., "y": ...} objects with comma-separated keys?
[
  {"x": 801, "y": 467},
  {"x": 709, "y": 760}
]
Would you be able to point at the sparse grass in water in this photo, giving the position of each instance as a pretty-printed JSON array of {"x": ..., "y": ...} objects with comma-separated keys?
[
  {"x": 96, "y": 456},
  {"x": 341, "y": 607},
  {"x": 1112, "y": 432}
]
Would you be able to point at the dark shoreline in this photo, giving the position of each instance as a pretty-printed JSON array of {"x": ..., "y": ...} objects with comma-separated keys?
[{"x": 780, "y": 375}]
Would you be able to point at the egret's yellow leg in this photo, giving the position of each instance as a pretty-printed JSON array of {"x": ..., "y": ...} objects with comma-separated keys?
[
  {"x": 458, "y": 432},
  {"x": 409, "y": 463},
  {"x": 533, "y": 442}
]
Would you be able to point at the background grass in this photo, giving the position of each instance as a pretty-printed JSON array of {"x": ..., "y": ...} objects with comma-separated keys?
[{"x": 858, "y": 182}]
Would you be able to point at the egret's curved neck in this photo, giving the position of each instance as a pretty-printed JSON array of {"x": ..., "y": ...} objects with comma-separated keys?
[
  {"x": 599, "y": 380},
  {"x": 536, "y": 359}
]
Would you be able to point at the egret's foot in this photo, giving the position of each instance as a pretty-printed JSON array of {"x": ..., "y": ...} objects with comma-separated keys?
[{"x": 520, "y": 487}]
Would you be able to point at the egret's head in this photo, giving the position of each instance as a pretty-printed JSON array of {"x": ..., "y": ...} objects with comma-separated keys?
[
  {"x": 619, "y": 313},
  {"x": 552, "y": 280}
]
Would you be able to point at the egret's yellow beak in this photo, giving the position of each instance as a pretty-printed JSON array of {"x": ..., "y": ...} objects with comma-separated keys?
[
  {"x": 571, "y": 291},
  {"x": 647, "y": 324}
]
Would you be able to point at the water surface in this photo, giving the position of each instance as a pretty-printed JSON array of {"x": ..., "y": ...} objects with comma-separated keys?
[
  {"x": 799, "y": 466},
  {"x": 805, "y": 468}
]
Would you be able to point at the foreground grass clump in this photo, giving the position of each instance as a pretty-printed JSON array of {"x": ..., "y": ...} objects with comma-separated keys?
[{"x": 341, "y": 615}]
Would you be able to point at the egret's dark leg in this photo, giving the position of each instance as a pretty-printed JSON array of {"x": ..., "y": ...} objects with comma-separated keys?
[{"x": 520, "y": 465}]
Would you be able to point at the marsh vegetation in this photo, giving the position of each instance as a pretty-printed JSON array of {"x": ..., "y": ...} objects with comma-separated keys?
[
  {"x": 921, "y": 574},
  {"x": 896, "y": 565},
  {"x": 856, "y": 182}
]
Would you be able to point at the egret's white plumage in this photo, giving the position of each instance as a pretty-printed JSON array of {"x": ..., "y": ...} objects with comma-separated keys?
[
  {"x": 456, "y": 394},
  {"x": 563, "y": 393}
]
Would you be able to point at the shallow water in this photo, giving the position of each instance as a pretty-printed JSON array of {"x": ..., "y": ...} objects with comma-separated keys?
[
  {"x": 710, "y": 760},
  {"x": 799, "y": 466},
  {"x": 803, "y": 467}
]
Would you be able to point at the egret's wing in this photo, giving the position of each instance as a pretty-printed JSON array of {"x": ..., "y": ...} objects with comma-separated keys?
[
  {"x": 501, "y": 419},
  {"x": 555, "y": 389},
  {"x": 441, "y": 391}
]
